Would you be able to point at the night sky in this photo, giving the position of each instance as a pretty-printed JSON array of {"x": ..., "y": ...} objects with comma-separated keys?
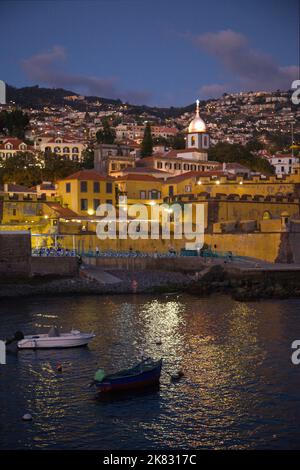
[{"x": 158, "y": 52}]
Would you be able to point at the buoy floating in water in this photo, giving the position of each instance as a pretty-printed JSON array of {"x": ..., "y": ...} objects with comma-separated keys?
[
  {"x": 27, "y": 417},
  {"x": 59, "y": 367}
]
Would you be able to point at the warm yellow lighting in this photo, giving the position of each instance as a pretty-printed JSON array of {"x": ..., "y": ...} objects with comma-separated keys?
[
  {"x": 217, "y": 182},
  {"x": 152, "y": 203},
  {"x": 46, "y": 216},
  {"x": 90, "y": 212},
  {"x": 241, "y": 182},
  {"x": 199, "y": 182}
]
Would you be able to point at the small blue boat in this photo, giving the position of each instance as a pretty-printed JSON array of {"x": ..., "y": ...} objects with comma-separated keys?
[{"x": 143, "y": 375}]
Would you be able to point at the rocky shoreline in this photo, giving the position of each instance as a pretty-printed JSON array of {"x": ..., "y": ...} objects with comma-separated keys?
[{"x": 217, "y": 279}]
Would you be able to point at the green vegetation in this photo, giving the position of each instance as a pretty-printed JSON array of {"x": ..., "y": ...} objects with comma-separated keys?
[
  {"x": 29, "y": 169},
  {"x": 88, "y": 158},
  {"x": 56, "y": 167},
  {"x": 235, "y": 153},
  {"x": 147, "y": 143},
  {"x": 107, "y": 134},
  {"x": 177, "y": 142},
  {"x": 14, "y": 123},
  {"x": 22, "y": 168}
]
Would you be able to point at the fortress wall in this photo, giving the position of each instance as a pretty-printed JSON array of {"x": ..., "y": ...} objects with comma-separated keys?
[{"x": 15, "y": 253}]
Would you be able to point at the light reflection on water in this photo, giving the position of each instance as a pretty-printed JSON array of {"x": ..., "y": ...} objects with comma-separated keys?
[{"x": 239, "y": 390}]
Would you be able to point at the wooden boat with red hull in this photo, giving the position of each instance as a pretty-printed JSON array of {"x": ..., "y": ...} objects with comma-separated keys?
[{"x": 143, "y": 375}]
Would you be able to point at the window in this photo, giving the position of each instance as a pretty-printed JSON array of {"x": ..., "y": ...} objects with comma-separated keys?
[
  {"x": 68, "y": 187},
  {"x": 188, "y": 188},
  {"x": 75, "y": 150},
  {"x": 83, "y": 204},
  {"x": 109, "y": 201},
  {"x": 159, "y": 165},
  {"x": 56, "y": 149},
  {"x": 83, "y": 186},
  {"x": 66, "y": 150},
  {"x": 109, "y": 187},
  {"x": 171, "y": 191},
  {"x": 96, "y": 203},
  {"x": 154, "y": 194},
  {"x": 96, "y": 187},
  {"x": 142, "y": 194}
]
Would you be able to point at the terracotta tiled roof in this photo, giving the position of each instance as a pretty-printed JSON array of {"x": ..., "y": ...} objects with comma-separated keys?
[
  {"x": 140, "y": 170},
  {"x": 87, "y": 175},
  {"x": 137, "y": 178},
  {"x": 17, "y": 188},
  {"x": 61, "y": 211},
  {"x": 191, "y": 174},
  {"x": 14, "y": 142}
]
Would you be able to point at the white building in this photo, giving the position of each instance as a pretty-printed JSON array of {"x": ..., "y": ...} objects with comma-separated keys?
[{"x": 284, "y": 163}]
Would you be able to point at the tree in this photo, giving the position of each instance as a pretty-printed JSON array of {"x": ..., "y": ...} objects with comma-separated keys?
[
  {"x": 88, "y": 158},
  {"x": 107, "y": 134},
  {"x": 177, "y": 142},
  {"x": 147, "y": 143},
  {"x": 57, "y": 167},
  {"x": 236, "y": 153},
  {"x": 254, "y": 145},
  {"x": 14, "y": 123},
  {"x": 22, "y": 168}
]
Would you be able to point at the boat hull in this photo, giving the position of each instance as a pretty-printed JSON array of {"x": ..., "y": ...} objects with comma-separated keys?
[
  {"x": 145, "y": 379},
  {"x": 54, "y": 343}
]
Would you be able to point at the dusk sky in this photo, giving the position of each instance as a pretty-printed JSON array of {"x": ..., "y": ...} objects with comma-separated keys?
[{"x": 157, "y": 52}]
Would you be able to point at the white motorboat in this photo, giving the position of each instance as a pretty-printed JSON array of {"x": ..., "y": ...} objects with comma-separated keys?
[{"x": 55, "y": 339}]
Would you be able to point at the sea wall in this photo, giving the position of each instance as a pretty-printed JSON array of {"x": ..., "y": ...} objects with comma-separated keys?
[
  {"x": 15, "y": 253},
  {"x": 54, "y": 266},
  {"x": 182, "y": 264}
]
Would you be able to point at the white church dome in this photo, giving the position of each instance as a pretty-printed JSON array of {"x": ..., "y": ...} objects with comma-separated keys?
[{"x": 197, "y": 124}]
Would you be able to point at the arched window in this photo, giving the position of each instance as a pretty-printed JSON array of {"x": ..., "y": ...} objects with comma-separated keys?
[
  {"x": 75, "y": 150},
  {"x": 267, "y": 215},
  {"x": 66, "y": 150},
  {"x": 47, "y": 149},
  {"x": 8, "y": 146},
  {"x": 57, "y": 149}
]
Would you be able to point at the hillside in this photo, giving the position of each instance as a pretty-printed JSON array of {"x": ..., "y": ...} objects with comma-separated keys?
[{"x": 38, "y": 97}]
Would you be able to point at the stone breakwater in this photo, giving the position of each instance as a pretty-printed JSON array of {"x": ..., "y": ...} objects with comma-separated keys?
[
  {"x": 241, "y": 285},
  {"x": 248, "y": 285}
]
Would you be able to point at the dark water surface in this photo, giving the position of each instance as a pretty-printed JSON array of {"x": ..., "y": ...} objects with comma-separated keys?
[{"x": 240, "y": 389}]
